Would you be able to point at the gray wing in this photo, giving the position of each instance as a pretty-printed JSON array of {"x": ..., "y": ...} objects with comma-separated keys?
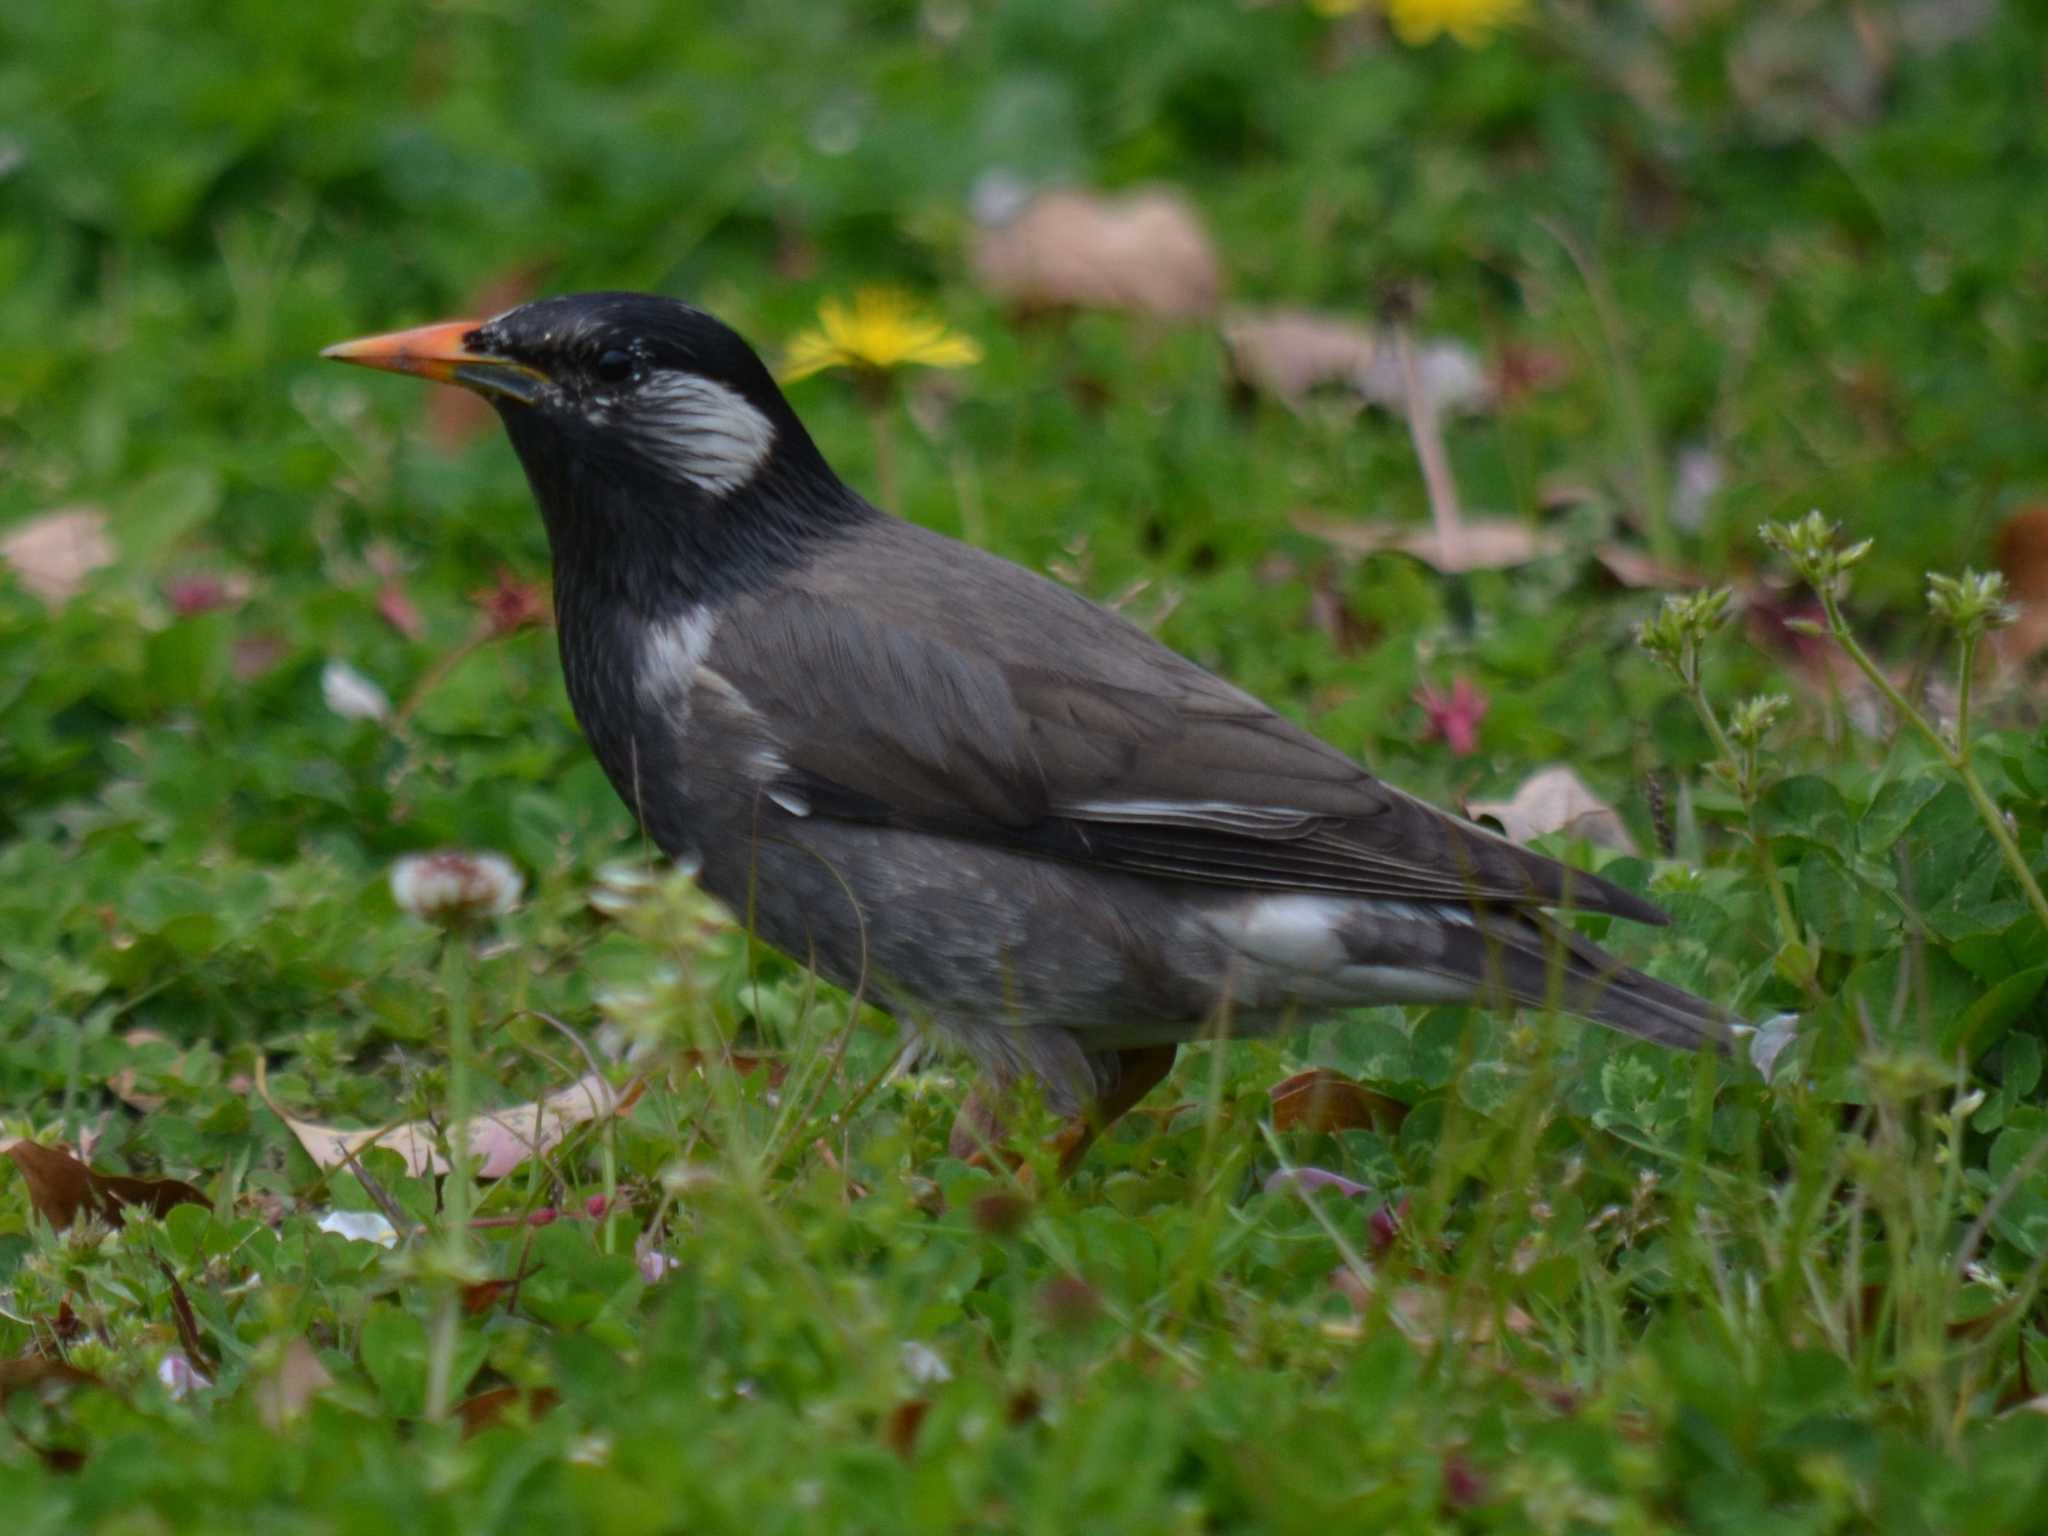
[{"x": 952, "y": 713}]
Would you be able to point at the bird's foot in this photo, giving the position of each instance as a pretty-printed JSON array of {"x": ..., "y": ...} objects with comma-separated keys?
[{"x": 980, "y": 1137}]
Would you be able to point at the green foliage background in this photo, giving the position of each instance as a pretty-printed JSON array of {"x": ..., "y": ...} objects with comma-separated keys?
[{"x": 1631, "y": 1291}]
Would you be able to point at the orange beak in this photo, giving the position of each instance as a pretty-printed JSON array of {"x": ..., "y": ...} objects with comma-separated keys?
[{"x": 440, "y": 352}]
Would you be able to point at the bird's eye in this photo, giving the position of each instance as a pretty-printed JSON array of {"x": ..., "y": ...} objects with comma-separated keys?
[{"x": 615, "y": 367}]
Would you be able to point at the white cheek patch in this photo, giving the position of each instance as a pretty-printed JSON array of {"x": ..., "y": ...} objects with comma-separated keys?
[{"x": 699, "y": 429}]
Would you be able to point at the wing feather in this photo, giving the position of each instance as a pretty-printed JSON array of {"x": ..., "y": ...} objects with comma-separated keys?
[{"x": 1123, "y": 756}]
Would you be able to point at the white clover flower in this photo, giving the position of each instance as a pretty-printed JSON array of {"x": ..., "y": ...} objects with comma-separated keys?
[
  {"x": 351, "y": 695},
  {"x": 923, "y": 1365},
  {"x": 452, "y": 886}
]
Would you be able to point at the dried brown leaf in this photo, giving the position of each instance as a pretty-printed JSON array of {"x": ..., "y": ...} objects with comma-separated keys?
[
  {"x": 1557, "y": 800},
  {"x": 1322, "y": 1100},
  {"x": 2021, "y": 550},
  {"x": 1637, "y": 568},
  {"x": 499, "y": 1140},
  {"x": 1289, "y": 352},
  {"x": 60, "y": 1187},
  {"x": 1483, "y": 544},
  {"x": 52, "y": 553},
  {"x": 488, "y": 1409},
  {"x": 1148, "y": 252},
  {"x": 182, "y": 1316}
]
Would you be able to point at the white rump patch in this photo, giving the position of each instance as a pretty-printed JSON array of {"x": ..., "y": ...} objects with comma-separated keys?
[
  {"x": 672, "y": 653},
  {"x": 705, "y": 432},
  {"x": 1297, "y": 933}
]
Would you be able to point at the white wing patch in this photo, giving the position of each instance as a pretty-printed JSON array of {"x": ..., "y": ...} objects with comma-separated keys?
[
  {"x": 672, "y": 652},
  {"x": 700, "y": 429}
]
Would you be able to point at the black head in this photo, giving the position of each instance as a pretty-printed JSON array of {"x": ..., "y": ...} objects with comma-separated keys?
[{"x": 657, "y": 443}]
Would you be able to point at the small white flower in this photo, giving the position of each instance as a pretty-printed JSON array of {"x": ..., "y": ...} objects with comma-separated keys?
[
  {"x": 453, "y": 886},
  {"x": 351, "y": 695},
  {"x": 921, "y": 1363},
  {"x": 1769, "y": 1039},
  {"x": 179, "y": 1376},
  {"x": 360, "y": 1227},
  {"x": 652, "y": 1261}
]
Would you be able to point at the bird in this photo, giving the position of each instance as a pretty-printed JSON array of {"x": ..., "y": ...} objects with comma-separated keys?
[{"x": 1012, "y": 817}]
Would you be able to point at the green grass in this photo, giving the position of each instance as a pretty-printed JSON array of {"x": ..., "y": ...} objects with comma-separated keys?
[{"x": 1628, "y": 1291}]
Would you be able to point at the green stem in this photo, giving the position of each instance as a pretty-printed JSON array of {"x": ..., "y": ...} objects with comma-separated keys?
[
  {"x": 1628, "y": 398},
  {"x": 459, "y": 1199},
  {"x": 1968, "y": 670},
  {"x": 1956, "y": 754},
  {"x": 1744, "y": 771}
]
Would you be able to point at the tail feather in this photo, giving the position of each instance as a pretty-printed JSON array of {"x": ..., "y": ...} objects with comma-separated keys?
[{"x": 1528, "y": 958}]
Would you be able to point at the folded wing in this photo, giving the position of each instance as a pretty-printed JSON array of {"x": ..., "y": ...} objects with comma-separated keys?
[{"x": 1183, "y": 778}]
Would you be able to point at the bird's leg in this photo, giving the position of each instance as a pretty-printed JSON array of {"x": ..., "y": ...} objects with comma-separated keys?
[
  {"x": 1138, "y": 1073},
  {"x": 979, "y": 1129}
]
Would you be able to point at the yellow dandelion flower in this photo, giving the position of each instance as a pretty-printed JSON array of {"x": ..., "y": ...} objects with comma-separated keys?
[
  {"x": 881, "y": 331},
  {"x": 1471, "y": 22}
]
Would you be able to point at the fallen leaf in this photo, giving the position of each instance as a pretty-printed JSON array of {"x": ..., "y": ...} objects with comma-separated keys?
[
  {"x": 1148, "y": 252},
  {"x": 1522, "y": 369},
  {"x": 2021, "y": 549},
  {"x": 52, "y": 553},
  {"x": 486, "y": 1410},
  {"x": 1322, "y": 1100},
  {"x": 283, "y": 1393},
  {"x": 499, "y": 1140},
  {"x": 1483, "y": 544},
  {"x": 1807, "y": 76},
  {"x": 1556, "y": 800},
  {"x": 479, "y": 1296},
  {"x": 1637, "y": 568},
  {"x": 60, "y": 1187},
  {"x": 1289, "y": 352}
]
